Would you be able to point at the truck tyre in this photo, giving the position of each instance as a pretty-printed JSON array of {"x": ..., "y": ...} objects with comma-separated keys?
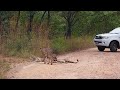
[
  {"x": 113, "y": 46},
  {"x": 101, "y": 48}
]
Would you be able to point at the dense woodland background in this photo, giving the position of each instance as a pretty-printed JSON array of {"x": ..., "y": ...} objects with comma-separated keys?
[{"x": 22, "y": 33}]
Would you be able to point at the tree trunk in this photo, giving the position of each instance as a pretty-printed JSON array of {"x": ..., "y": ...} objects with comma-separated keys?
[
  {"x": 70, "y": 22},
  {"x": 42, "y": 17},
  {"x": 48, "y": 18},
  {"x": 31, "y": 16},
  {"x": 30, "y": 22},
  {"x": 1, "y": 35},
  {"x": 18, "y": 17},
  {"x": 68, "y": 33},
  {"x": 16, "y": 26},
  {"x": 0, "y": 26}
]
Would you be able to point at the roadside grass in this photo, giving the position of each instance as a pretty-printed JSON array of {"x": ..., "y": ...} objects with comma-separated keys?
[
  {"x": 22, "y": 47},
  {"x": 61, "y": 46},
  {"x": 8, "y": 62},
  {"x": 4, "y": 67},
  {"x": 22, "y": 44}
]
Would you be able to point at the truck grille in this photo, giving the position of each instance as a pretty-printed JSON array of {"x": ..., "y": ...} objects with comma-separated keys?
[{"x": 97, "y": 42}]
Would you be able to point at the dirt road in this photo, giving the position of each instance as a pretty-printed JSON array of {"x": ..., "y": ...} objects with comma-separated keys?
[{"x": 92, "y": 65}]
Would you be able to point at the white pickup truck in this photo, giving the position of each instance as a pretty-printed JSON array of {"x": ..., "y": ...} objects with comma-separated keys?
[{"x": 108, "y": 40}]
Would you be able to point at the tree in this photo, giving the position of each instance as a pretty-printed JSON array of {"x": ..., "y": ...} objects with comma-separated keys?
[
  {"x": 5, "y": 21},
  {"x": 31, "y": 16},
  {"x": 48, "y": 17},
  {"x": 70, "y": 17},
  {"x": 42, "y": 17},
  {"x": 18, "y": 17}
]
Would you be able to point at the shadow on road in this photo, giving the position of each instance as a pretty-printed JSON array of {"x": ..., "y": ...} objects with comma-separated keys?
[{"x": 107, "y": 51}]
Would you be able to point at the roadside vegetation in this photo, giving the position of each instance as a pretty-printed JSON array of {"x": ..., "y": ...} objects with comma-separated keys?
[{"x": 22, "y": 33}]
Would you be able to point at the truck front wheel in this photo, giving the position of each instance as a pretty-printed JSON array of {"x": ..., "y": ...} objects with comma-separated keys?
[
  {"x": 101, "y": 48},
  {"x": 113, "y": 46}
]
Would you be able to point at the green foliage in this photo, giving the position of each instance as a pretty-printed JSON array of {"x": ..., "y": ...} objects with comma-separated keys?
[
  {"x": 19, "y": 43},
  {"x": 58, "y": 25},
  {"x": 60, "y": 45},
  {"x": 18, "y": 46}
]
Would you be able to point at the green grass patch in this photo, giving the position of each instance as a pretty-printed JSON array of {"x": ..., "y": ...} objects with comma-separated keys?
[{"x": 60, "y": 45}]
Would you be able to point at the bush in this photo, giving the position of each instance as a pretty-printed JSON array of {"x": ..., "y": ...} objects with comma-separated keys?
[{"x": 60, "y": 45}]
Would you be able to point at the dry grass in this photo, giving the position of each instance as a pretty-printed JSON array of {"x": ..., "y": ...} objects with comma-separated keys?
[
  {"x": 60, "y": 45},
  {"x": 6, "y": 63},
  {"x": 21, "y": 45},
  {"x": 4, "y": 67}
]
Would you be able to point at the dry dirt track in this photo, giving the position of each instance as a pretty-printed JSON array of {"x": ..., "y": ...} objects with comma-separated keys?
[{"x": 92, "y": 65}]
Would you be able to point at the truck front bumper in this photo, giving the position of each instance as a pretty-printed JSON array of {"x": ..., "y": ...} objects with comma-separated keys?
[{"x": 101, "y": 42}]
